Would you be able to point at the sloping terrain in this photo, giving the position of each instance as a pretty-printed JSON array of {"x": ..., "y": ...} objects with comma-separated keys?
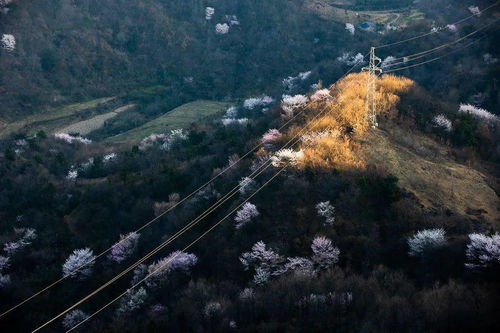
[
  {"x": 427, "y": 169},
  {"x": 180, "y": 117}
]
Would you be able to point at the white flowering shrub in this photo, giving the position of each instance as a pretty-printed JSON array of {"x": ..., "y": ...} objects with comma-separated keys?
[
  {"x": 209, "y": 13},
  {"x": 247, "y": 185},
  {"x": 245, "y": 215},
  {"x": 234, "y": 121},
  {"x": 73, "y": 318},
  {"x": 478, "y": 112},
  {"x": 79, "y": 264},
  {"x": 325, "y": 254},
  {"x": 261, "y": 276},
  {"x": 483, "y": 251},
  {"x": 271, "y": 136},
  {"x": 176, "y": 261},
  {"x": 287, "y": 156},
  {"x": 440, "y": 121},
  {"x": 212, "y": 310},
  {"x": 291, "y": 103},
  {"x": 452, "y": 27},
  {"x": 132, "y": 301},
  {"x": 221, "y": 28},
  {"x": 8, "y": 42},
  {"x": 260, "y": 256},
  {"x": 489, "y": 59},
  {"x": 350, "y": 27},
  {"x": 325, "y": 209},
  {"x": 291, "y": 82},
  {"x": 350, "y": 60},
  {"x": 72, "y": 174},
  {"x": 174, "y": 138},
  {"x": 252, "y": 103},
  {"x": 474, "y": 10},
  {"x": 109, "y": 157},
  {"x": 231, "y": 113},
  {"x": 321, "y": 95},
  {"x": 71, "y": 139},
  {"x": 425, "y": 240},
  {"x": 29, "y": 235},
  {"x": 124, "y": 247}
]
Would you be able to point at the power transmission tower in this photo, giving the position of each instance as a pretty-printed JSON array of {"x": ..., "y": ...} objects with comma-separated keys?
[{"x": 373, "y": 70}]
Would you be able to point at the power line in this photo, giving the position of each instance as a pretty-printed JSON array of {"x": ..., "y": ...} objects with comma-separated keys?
[
  {"x": 147, "y": 224},
  {"x": 437, "y": 30},
  {"x": 422, "y": 54},
  {"x": 165, "y": 243},
  {"x": 436, "y": 58},
  {"x": 186, "y": 248}
]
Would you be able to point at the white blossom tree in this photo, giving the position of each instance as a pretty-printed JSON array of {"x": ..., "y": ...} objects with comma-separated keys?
[
  {"x": 247, "y": 185},
  {"x": 176, "y": 261},
  {"x": 349, "y": 59},
  {"x": 261, "y": 276},
  {"x": 132, "y": 301},
  {"x": 325, "y": 209},
  {"x": 124, "y": 247},
  {"x": 291, "y": 103},
  {"x": 252, "y": 103},
  {"x": 245, "y": 215},
  {"x": 221, "y": 28},
  {"x": 478, "y": 112},
  {"x": 287, "y": 156},
  {"x": 321, "y": 95},
  {"x": 73, "y": 318},
  {"x": 72, "y": 139},
  {"x": 440, "y": 121},
  {"x": 474, "y": 10},
  {"x": 299, "y": 265},
  {"x": 209, "y": 12},
  {"x": 271, "y": 136},
  {"x": 174, "y": 138},
  {"x": 325, "y": 254},
  {"x": 483, "y": 251},
  {"x": 8, "y": 42},
  {"x": 260, "y": 256},
  {"x": 350, "y": 27},
  {"x": 425, "y": 240},
  {"x": 79, "y": 264}
]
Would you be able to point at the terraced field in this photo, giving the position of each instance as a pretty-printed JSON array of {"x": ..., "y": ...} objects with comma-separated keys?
[
  {"x": 51, "y": 120},
  {"x": 180, "y": 117},
  {"x": 84, "y": 127}
]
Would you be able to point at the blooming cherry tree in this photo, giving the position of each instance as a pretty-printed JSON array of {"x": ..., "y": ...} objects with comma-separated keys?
[
  {"x": 245, "y": 215},
  {"x": 483, "y": 251},
  {"x": 8, "y": 42},
  {"x": 325, "y": 254},
  {"x": 125, "y": 247},
  {"x": 440, "y": 121},
  {"x": 478, "y": 112},
  {"x": 287, "y": 156},
  {"x": 176, "y": 261},
  {"x": 350, "y": 27},
  {"x": 291, "y": 103},
  {"x": 79, "y": 264},
  {"x": 326, "y": 210},
  {"x": 247, "y": 185},
  {"x": 425, "y": 240},
  {"x": 221, "y": 28}
]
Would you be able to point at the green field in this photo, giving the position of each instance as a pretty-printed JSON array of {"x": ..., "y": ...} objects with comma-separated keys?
[
  {"x": 180, "y": 117},
  {"x": 50, "y": 120},
  {"x": 84, "y": 127}
]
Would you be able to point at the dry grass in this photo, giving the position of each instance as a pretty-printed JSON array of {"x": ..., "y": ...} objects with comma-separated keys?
[{"x": 346, "y": 120}]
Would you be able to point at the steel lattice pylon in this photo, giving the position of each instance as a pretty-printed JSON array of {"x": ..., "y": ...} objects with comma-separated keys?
[{"x": 373, "y": 70}]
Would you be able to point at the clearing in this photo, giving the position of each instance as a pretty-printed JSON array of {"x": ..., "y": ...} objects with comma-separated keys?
[
  {"x": 428, "y": 170},
  {"x": 180, "y": 117}
]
